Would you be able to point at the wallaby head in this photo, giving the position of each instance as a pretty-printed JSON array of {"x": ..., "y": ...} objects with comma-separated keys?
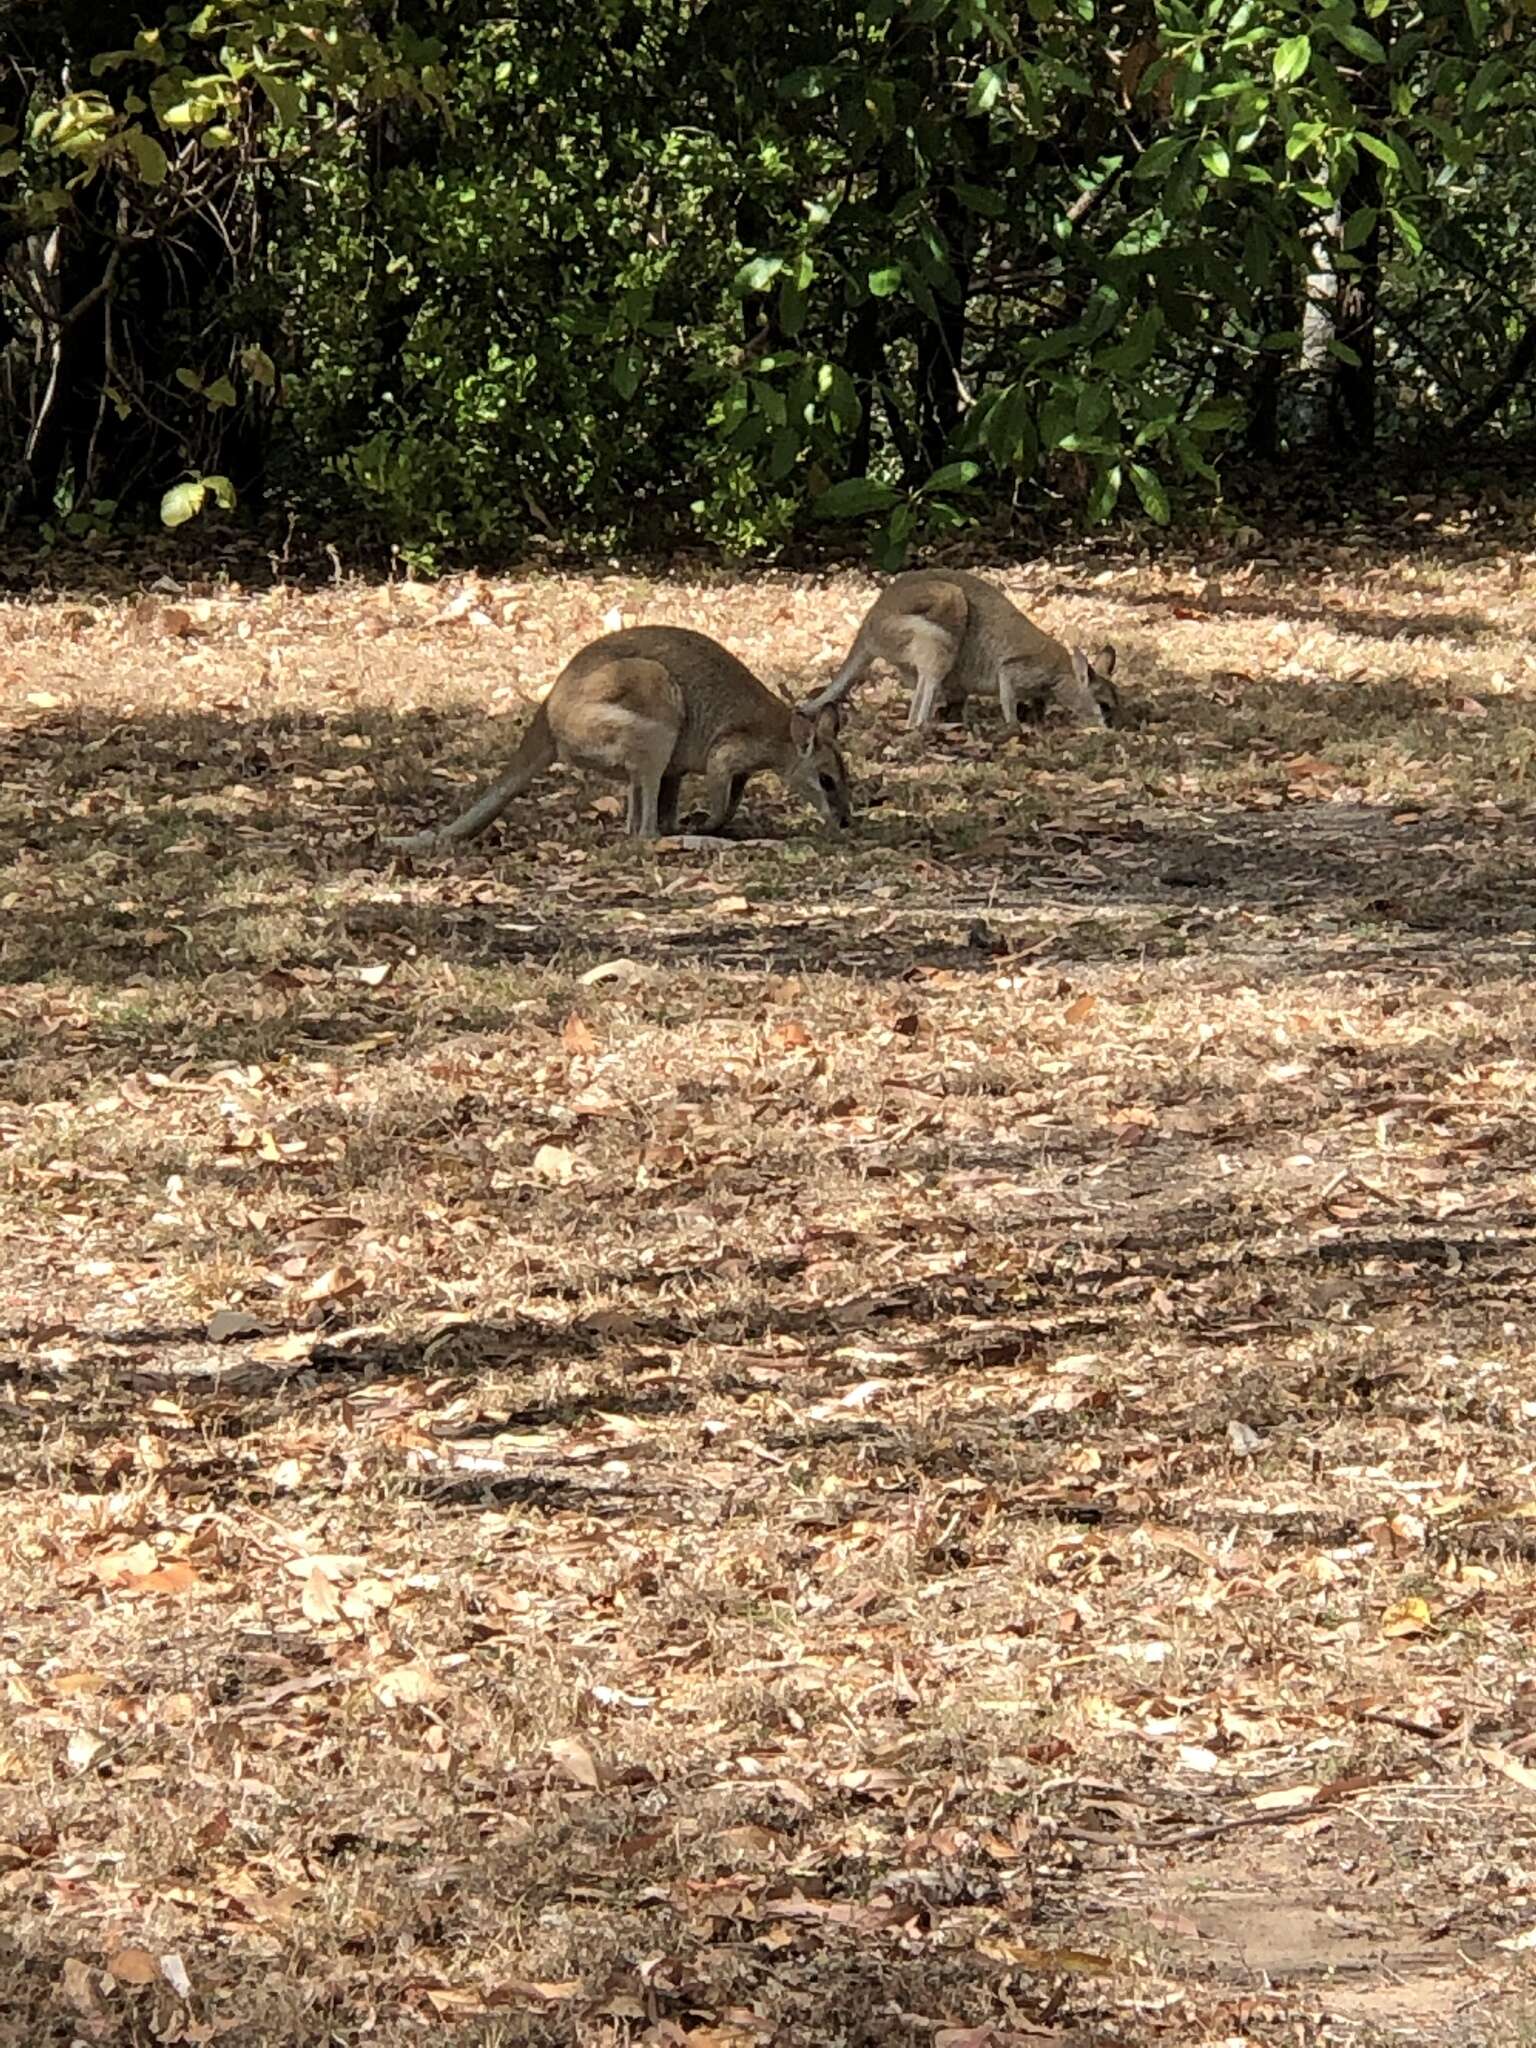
[
  {"x": 819, "y": 774},
  {"x": 1093, "y": 672}
]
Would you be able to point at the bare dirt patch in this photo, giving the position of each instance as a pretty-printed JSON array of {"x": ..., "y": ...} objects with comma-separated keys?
[{"x": 924, "y": 1436}]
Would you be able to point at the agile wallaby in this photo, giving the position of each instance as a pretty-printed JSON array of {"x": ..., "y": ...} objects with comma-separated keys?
[
  {"x": 952, "y": 636},
  {"x": 656, "y": 703}
]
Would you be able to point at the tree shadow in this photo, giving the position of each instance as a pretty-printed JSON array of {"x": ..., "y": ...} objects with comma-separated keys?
[{"x": 1357, "y": 621}]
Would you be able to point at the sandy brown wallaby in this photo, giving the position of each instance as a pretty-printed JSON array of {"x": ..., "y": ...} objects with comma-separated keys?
[
  {"x": 952, "y": 636},
  {"x": 656, "y": 703}
]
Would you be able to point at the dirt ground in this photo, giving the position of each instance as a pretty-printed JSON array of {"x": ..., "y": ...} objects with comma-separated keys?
[{"x": 916, "y": 1437}]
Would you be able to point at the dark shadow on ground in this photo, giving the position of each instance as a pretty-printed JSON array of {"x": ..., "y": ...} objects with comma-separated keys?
[
  {"x": 1224, "y": 1285},
  {"x": 1356, "y": 620},
  {"x": 130, "y": 869}
]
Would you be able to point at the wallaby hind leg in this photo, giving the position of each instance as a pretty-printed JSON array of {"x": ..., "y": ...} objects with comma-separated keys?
[
  {"x": 645, "y": 804},
  {"x": 666, "y": 802},
  {"x": 927, "y": 654}
]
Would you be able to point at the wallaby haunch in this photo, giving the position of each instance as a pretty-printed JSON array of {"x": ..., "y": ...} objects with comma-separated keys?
[
  {"x": 656, "y": 703},
  {"x": 952, "y": 636}
]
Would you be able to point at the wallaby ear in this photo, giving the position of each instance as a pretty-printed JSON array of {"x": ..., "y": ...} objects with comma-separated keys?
[
  {"x": 1081, "y": 668},
  {"x": 1104, "y": 661},
  {"x": 829, "y": 723},
  {"x": 801, "y": 730}
]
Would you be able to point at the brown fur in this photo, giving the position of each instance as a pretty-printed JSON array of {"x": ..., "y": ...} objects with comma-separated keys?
[
  {"x": 653, "y": 704},
  {"x": 951, "y": 635}
]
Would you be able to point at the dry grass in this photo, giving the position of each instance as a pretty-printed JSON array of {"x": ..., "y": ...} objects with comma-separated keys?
[{"x": 944, "y": 1455}]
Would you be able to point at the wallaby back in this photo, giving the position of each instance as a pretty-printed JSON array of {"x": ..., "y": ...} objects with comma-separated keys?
[{"x": 718, "y": 695}]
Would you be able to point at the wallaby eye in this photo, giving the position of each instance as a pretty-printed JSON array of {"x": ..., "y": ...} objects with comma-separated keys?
[{"x": 828, "y": 785}]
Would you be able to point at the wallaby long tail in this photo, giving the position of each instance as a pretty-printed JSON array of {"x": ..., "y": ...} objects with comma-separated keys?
[
  {"x": 855, "y": 662},
  {"x": 535, "y": 752}
]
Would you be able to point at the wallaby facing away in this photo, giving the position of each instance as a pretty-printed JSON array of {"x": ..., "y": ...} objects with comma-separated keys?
[
  {"x": 952, "y": 636},
  {"x": 656, "y": 703}
]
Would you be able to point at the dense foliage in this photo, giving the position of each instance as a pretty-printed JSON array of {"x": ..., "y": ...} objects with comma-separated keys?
[{"x": 446, "y": 273}]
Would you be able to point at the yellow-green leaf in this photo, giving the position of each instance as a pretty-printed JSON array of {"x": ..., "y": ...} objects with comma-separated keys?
[{"x": 181, "y": 503}]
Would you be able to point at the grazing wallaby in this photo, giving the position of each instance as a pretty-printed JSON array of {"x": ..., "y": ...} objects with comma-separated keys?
[
  {"x": 656, "y": 703},
  {"x": 952, "y": 636}
]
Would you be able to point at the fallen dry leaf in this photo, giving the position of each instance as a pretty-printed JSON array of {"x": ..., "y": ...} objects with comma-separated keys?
[
  {"x": 554, "y": 1163},
  {"x": 408, "y": 1685},
  {"x": 572, "y": 1757},
  {"x": 320, "y": 1601},
  {"x": 134, "y": 1966},
  {"x": 1410, "y": 1617}
]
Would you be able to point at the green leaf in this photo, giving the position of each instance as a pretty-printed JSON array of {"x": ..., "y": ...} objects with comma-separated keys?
[
  {"x": 980, "y": 200},
  {"x": 189, "y": 113},
  {"x": 1093, "y": 409},
  {"x": 1373, "y": 145},
  {"x": 842, "y": 398},
  {"x": 758, "y": 274},
  {"x": 954, "y": 476},
  {"x": 1487, "y": 84},
  {"x": 1408, "y": 229},
  {"x": 854, "y": 497},
  {"x": 1258, "y": 262},
  {"x": 1358, "y": 41},
  {"x": 1216, "y": 159},
  {"x": 986, "y": 92},
  {"x": 1153, "y": 162},
  {"x": 181, "y": 503},
  {"x": 150, "y": 158},
  {"x": 1058, "y": 418},
  {"x": 221, "y": 392},
  {"x": 1145, "y": 236},
  {"x": 1292, "y": 58},
  {"x": 257, "y": 365},
  {"x": 287, "y": 100},
  {"x": 889, "y": 550},
  {"x": 1216, "y": 414},
  {"x": 1135, "y": 349},
  {"x": 223, "y": 490},
  {"x": 782, "y": 453},
  {"x": 885, "y": 280},
  {"x": 1009, "y": 431},
  {"x": 1344, "y": 353},
  {"x": 625, "y": 376},
  {"x": 1105, "y": 494},
  {"x": 1149, "y": 488},
  {"x": 1357, "y": 228}
]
